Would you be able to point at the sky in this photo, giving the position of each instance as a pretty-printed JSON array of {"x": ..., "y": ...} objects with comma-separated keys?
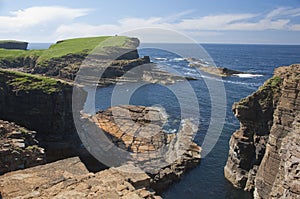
[{"x": 210, "y": 21}]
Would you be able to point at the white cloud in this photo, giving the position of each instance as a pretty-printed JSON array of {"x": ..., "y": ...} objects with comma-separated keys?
[
  {"x": 38, "y": 16},
  {"x": 277, "y": 19},
  {"x": 53, "y": 23},
  {"x": 216, "y": 22},
  {"x": 295, "y": 27}
]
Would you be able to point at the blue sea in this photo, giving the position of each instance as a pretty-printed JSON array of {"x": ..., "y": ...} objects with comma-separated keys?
[{"x": 207, "y": 180}]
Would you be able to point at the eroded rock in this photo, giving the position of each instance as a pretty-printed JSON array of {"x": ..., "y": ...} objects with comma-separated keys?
[
  {"x": 69, "y": 178},
  {"x": 18, "y": 148},
  {"x": 263, "y": 153},
  {"x": 139, "y": 130}
]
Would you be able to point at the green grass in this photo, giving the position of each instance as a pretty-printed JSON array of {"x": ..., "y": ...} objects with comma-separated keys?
[
  {"x": 15, "y": 54},
  {"x": 267, "y": 90},
  {"x": 27, "y": 82},
  {"x": 272, "y": 84},
  {"x": 78, "y": 46}
]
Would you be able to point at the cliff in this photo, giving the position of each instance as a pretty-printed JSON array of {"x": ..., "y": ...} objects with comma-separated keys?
[
  {"x": 264, "y": 153},
  {"x": 18, "y": 148},
  {"x": 69, "y": 178},
  {"x": 67, "y": 55},
  {"x": 42, "y": 104},
  {"x": 11, "y": 44}
]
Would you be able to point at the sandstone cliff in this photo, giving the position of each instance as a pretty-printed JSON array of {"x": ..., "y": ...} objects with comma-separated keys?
[
  {"x": 41, "y": 104},
  {"x": 264, "y": 153}
]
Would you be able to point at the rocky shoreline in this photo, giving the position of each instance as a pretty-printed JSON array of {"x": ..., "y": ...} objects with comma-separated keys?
[
  {"x": 43, "y": 102},
  {"x": 212, "y": 70},
  {"x": 139, "y": 130},
  {"x": 264, "y": 153},
  {"x": 70, "y": 178}
]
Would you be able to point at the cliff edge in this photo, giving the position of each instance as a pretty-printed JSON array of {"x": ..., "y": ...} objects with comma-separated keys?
[
  {"x": 264, "y": 154},
  {"x": 12, "y": 44}
]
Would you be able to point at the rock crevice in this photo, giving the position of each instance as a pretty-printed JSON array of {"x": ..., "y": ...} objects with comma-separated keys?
[{"x": 263, "y": 153}]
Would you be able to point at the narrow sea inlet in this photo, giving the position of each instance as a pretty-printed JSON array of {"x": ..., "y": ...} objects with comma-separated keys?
[{"x": 207, "y": 180}]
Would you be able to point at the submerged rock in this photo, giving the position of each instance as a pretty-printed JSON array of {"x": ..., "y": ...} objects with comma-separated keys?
[{"x": 264, "y": 153}]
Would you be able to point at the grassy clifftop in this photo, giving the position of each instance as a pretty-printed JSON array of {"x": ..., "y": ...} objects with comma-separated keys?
[
  {"x": 19, "y": 81},
  {"x": 78, "y": 46},
  {"x": 82, "y": 46}
]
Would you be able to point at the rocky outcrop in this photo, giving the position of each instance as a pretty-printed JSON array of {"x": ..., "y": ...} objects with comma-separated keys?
[
  {"x": 138, "y": 130},
  {"x": 69, "y": 178},
  {"x": 18, "y": 148},
  {"x": 218, "y": 71},
  {"x": 264, "y": 152},
  {"x": 41, "y": 104},
  {"x": 10, "y": 44},
  {"x": 64, "y": 58},
  {"x": 213, "y": 70}
]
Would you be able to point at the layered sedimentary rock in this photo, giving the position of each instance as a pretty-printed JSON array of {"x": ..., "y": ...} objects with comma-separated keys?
[
  {"x": 264, "y": 152},
  {"x": 18, "y": 148},
  {"x": 138, "y": 130},
  {"x": 69, "y": 178},
  {"x": 218, "y": 71},
  {"x": 43, "y": 105},
  {"x": 38, "y": 103}
]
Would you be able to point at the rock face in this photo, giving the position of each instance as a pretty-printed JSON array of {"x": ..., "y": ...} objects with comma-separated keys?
[
  {"x": 18, "y": 148},
  {"x": 264, "y": 153},
  {"x": 138, "y": 130},
  {"x": 41, "y": 104},
  {"x": 13, "y": 45},
  {"x": 69, "y": 178}
]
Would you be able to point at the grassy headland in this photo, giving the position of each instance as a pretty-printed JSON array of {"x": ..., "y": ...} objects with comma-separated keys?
[{"x": 78, "y": 46}]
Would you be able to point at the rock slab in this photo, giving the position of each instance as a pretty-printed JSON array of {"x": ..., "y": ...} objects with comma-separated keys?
[{"x": 69, "y": 178}]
